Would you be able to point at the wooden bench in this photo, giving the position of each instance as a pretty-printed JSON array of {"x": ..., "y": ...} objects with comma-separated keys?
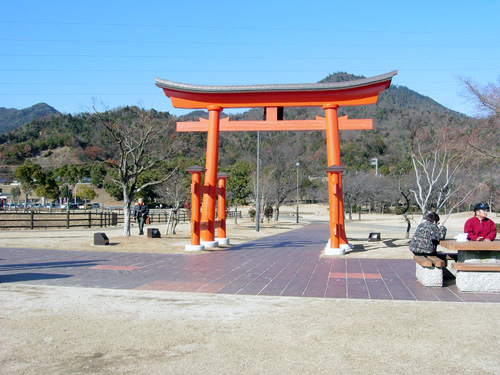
[
  {"x": 429, "y": 261},
  {"x": 429, "y": 269},
  {"x": 477, "y": 267}
]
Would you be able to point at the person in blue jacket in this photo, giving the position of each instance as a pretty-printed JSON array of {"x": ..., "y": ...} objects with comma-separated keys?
[{"x": 141, "y": 213}]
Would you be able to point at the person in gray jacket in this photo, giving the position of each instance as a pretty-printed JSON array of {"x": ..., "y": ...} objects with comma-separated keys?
[{"x": 427, "y": 235}]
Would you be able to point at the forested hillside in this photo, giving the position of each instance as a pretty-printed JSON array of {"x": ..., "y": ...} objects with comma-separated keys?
[
  {"x": 81, "y": 139},
  {"x": 397, "y": 109},
  {"x": 11, "y": 118}
]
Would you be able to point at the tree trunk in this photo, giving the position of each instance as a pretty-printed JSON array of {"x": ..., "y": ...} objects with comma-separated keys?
[
  {"x": 236, "y": 213},
  {"x": 126, "y": 214},
  {"x": 168, "y": 221},
  {"x": 408, "y": 225},
  {"x": 175, "y": 220}
]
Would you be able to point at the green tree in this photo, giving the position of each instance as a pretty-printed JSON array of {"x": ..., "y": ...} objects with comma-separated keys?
[
  {"x": 97, "y": 174},
  {"x": 16, "y": 193},
  {"x": 238, "y": 185},
  {"x": 85, "y": 193},
  {"x": 46, "y": 185},
  {"x": 68, "y": 176},
  {"x": 27, "y": 175}
]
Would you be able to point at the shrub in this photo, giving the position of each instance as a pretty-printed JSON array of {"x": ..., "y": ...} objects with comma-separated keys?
[
  {"x": 252, "y": 213},
  {"x": 268, "y": 212}
]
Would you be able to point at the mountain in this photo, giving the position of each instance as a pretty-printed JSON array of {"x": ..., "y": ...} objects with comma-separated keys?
[
  {"x": 11, "y": 118},
  {"x": 397, "y": 111}
]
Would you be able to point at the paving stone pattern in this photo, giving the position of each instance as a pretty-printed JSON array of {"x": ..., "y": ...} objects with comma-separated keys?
[{"x": 288, "y": 264}]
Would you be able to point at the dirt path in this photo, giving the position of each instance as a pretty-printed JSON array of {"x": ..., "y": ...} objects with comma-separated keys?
[{"x": 55, "y": 330}]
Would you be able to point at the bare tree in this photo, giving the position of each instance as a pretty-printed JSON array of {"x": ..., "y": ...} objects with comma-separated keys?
[
  {"x": 141, "y": 144},
  {"x": 486, "y": 97},
  {"x": 484, "y": 131},
  {"x": 352, "y": 191},
  {"x": 405, "y": 192},
  {"x": 282, "y": 165},
  {"x": 439, "y": 175},
  {"x": 174, "y": 192},
  {"x": 264, "y": 187}
]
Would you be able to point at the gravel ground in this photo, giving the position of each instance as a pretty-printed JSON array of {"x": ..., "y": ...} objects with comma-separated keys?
[{"x": 55, "y": 330}]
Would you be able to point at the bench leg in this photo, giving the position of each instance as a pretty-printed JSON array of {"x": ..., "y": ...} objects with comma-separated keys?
[
  {"x": 470, "y": 281},
  {"x": 429, "y": 276}
]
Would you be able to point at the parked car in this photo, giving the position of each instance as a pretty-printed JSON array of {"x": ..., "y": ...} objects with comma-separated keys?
[
  {"x": 85, "y": 206},
  {"x": 95, "y": 205},
  {"x": 70, "y": 206}
]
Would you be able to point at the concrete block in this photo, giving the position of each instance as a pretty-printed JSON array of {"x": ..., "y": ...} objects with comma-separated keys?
[
  {"x": 100, "y": 239},
  {"x": 470, "y": 281},
  {"x": 429, "y": 276}
]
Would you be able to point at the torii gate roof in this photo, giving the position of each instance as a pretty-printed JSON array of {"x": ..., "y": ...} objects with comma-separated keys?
[{"x": 357, "y": 92}]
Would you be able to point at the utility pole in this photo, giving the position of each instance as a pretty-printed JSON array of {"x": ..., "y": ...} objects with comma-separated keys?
[{"x": 297, "y": 215}]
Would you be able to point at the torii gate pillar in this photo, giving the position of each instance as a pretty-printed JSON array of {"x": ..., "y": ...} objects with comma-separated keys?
[
  {"x": 338, "y": 238},
  {"x": 212, "y": 159}
]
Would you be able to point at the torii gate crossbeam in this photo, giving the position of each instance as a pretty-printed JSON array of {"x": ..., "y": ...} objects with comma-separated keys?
[{"x": 329, "y": 96}]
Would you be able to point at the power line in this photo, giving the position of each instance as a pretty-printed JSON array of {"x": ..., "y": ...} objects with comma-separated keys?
[
  {"x": 242, "y": 27},
  {"x": 240, "y": 43},
  {"x": 158, "y": 71},
  {"x": 255, "y": 57}
]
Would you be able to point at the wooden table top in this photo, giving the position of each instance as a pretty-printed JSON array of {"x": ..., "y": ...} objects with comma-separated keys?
[{"x": 471, "y": 245}]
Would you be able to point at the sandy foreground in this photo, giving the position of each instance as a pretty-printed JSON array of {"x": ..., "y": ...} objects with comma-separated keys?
[{"x": 61, "y": 330}]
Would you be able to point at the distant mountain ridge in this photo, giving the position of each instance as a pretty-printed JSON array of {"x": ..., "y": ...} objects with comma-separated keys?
[
  {"x": 398, "y": 110},
  {"x": 11, "y": 118}
]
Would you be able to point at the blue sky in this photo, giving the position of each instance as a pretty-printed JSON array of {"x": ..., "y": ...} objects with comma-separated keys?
[{"x": 71, "y": 54}]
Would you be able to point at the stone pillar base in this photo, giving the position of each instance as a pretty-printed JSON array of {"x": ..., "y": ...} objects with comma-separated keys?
[
  {"x": 210, "y": 243},
  {"x": 222, "y": 241},
  {"x": 335, "y": 251},
  {"x": 194, "y": 248}
]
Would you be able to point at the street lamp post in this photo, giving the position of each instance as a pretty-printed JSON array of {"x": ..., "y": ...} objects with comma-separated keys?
[
  {"x": 297, "y": 216},
  {"x": 257, "y": 197}
]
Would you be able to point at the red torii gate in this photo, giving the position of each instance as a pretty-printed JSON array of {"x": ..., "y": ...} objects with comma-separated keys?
[{"x": 329, "y": 96}]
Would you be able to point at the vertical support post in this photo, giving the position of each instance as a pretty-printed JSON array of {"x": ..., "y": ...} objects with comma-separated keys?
[
  {"x": 221, "y": 209},
  {"x": 337, "y": 231},
  {"x": 195, "y": 208},
  {"x": 208, "y": 207},
  {"x": 257, "y": 196},
  {"x": 297, "y": 214}
]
